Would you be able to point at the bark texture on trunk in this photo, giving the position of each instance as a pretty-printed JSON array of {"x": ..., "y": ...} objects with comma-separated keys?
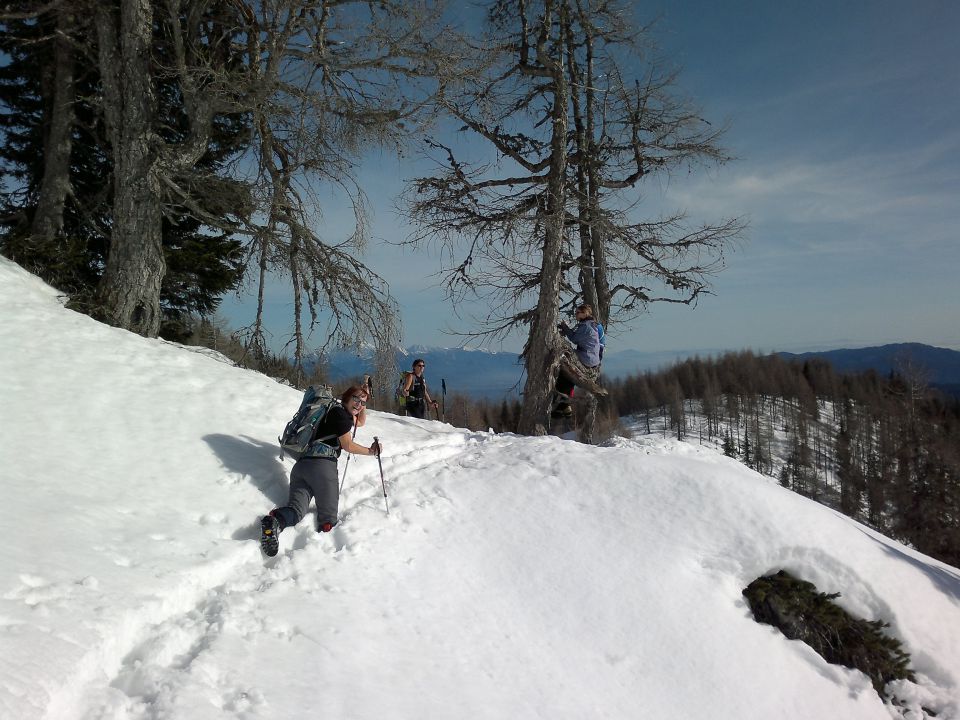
[
  {"x": 129, "y": 292},
  {"x": 542, "y": 358},
  {"x": 55, "y": 186}
]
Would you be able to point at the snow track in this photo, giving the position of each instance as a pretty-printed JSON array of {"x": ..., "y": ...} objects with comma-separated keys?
[{"x": 154, "y": 657}]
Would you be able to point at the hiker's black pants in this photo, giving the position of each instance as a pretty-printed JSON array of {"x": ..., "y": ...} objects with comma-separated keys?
[{"x": 417, "y": 408}]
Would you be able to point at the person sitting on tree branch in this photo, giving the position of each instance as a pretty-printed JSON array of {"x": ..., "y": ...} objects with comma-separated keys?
[{"x": 585, "y": 335}]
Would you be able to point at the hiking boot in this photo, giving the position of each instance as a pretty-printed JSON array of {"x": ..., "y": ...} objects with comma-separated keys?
[
  {"x": 270, "y": 535},
  {"x": 562, "y": 411},
  {"x": 326, "y": 527}
]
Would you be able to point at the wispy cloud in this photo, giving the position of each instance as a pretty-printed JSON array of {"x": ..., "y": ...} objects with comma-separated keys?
[{"x": 901, "y": 197}]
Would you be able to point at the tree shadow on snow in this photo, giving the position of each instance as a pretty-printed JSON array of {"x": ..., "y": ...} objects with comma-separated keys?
[
  {"x": 257, "y": 461},
  {"x": 945, "y": 579}
]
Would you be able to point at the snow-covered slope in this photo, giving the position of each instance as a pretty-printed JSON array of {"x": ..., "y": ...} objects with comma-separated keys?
[{"x": 513, "y": 577}]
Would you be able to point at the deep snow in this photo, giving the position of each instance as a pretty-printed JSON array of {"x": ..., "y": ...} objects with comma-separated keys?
[{"x": 512, "y": 578}]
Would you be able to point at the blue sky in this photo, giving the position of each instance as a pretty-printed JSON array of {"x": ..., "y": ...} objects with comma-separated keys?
[{"x": 844, "y": 122}]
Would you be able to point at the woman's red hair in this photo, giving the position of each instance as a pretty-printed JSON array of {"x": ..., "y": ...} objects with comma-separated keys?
[{"x": 351, "y": 391}]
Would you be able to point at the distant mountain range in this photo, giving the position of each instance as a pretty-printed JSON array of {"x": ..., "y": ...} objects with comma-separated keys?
[
  {"x": 496, "y": 375},
  {"x": 940, "y": 366},
  {"x": 483, "y": 373},
  {"x": 478, "y": 373}
]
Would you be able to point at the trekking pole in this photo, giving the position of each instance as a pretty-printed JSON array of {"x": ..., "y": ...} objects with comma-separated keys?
[
  {"x": 344, "y": 478},
  {"x": 346, "y": 465},
  {"x": 383, "y": 483},
  {"x": 443, "y": 397}
]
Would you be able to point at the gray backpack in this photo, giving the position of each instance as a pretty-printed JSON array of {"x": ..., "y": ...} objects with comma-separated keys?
[{"x": 297, "y": 437}]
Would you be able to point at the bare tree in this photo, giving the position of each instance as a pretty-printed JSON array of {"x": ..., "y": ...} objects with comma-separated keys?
[
  {"x": 572, "y": 133},
  {"x": 329, "y": 79},
  {"x": 630, "y": 125},
  {"x": 513, "y": 219},
  {"x": 915, "y": 376}
]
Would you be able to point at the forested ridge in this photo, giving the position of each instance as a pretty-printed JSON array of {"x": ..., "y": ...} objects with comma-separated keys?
[{"x": 884, "y": 450}]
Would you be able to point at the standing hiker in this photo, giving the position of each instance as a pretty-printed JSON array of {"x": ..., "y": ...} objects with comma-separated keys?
[
  {"x": 316, "y": 477},
  {"x": 415, "y": 391},
  {"x": 587, "y": 339}
]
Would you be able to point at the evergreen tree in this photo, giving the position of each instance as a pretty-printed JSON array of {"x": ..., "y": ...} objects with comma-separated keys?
[{"x": 203, "y": 262}]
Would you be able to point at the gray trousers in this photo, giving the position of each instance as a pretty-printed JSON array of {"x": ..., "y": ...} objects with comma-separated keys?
[{"x": 315, "y": 478}]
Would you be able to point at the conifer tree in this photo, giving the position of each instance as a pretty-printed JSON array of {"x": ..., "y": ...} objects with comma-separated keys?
[{"x": 59, "y": 219}]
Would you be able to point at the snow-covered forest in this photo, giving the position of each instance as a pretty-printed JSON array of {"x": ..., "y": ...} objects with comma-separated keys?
[{"x": 883, "y": 450}]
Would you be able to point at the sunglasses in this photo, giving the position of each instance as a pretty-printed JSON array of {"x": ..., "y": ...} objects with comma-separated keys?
[
  {"x": 416, "y": 366},
  {"x": 358, "y": 399}
]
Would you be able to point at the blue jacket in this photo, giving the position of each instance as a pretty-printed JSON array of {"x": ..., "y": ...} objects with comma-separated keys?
[{"x": 587, "y": 339}]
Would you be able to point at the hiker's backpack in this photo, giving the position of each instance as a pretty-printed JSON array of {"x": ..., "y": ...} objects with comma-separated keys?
[
  {"x": 603, "y": 339},
  {"x": 298, "y": 438},
  {"x": 401, "y": 399}
]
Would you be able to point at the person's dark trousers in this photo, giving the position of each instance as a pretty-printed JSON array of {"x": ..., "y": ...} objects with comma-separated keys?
[
  {"x": 417, "y": 409},
  {"x": 564, "y": 385}
]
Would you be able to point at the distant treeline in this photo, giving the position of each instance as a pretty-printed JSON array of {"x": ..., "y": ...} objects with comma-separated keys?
[
  {"x": 884, "y": 450},
  {"x": 216, "y": 335}
]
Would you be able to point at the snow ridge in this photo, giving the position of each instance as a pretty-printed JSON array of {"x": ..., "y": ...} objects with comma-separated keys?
[{"x": 512, "y": 577}]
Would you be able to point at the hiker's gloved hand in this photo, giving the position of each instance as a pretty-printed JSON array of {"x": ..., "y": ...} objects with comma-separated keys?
[
  {"x": 375, "y": 448},
  {"x": 435, "y": 403},
  {"x": 563, "y": 327}
]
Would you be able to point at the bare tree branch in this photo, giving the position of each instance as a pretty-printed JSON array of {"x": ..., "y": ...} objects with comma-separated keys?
[{"x": 576, "y": 97}]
